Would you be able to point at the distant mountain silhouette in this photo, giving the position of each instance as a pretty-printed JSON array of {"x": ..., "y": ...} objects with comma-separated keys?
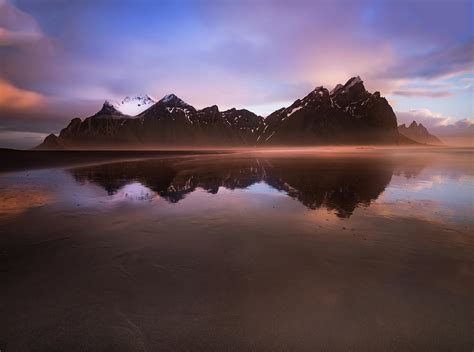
[
  {"x": 338, "y": 184},
  {"x": 346, "y": 115},
  {"x": 419, "y": 133}
]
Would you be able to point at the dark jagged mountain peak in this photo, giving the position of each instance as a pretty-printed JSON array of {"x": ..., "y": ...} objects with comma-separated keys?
[
  {"x": 108, "y": 109},
  {"x": 346, "y": 115},
  {"x": 350, "y": 92},
  {"x": 354, "y": 83},
  {"x": 173, "y": 100},
  {"x": 242, "y": 119},
  {"x": 209, "y": 111},
  {"x": 210, "y": 114}
]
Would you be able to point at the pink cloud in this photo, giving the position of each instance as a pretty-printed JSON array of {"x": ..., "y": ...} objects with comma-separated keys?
[
  {"x": 423, "y": 93},
  {"x": 16, "y": 26},
  {"x": 14, "y": 98},
  {"x": 425, "y": 116},
  {"x": 451, "y": 131}
]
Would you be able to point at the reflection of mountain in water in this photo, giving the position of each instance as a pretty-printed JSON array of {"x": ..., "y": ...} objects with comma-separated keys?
[{"x": 339, "y": 184}]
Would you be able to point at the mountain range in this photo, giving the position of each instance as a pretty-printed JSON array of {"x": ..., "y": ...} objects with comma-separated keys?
[{"x": 348, "y": 114}]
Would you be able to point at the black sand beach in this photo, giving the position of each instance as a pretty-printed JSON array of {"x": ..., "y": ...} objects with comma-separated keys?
[{"x": 239, "y": 253}]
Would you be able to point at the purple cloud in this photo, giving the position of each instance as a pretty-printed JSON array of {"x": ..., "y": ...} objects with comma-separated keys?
[
  {"x": 230, "y": 53},
  {"x": 422, "y": 93},
  {"x": 443, "y": 62}
]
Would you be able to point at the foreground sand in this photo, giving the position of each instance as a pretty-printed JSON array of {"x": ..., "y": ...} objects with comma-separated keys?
[{"x": 12, "y": 160}]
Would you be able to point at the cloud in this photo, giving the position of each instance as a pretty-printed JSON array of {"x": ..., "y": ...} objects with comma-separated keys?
[
  {"x": 232, "y": 53},
  {"x": 438, "y": 124},
  {"x": 422, "y": 93},
  {"x": 29, "y": 57},
  {"x": 16, "y": 26},
  {"x": 439, "y": 73},
  {"x": 198, "y": 50},
  {"x": 428, "y": 118},
  {"x": 10, "y": 38},
  {"x": 13, "y": 98},
  {"x": 461, "y": 128},
  {"x": 440, "y": 63}
]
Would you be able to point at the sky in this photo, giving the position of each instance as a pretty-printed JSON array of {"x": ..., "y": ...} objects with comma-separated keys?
[{"x": 60, "y": 59}]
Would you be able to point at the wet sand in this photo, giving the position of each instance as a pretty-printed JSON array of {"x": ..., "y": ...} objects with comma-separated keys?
[
  {"x": 249, "y": 268},
  {"x": 13, "y": 160}
]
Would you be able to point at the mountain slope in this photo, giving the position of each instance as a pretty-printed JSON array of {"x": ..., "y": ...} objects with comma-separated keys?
[{"x": 419, "y": 133}]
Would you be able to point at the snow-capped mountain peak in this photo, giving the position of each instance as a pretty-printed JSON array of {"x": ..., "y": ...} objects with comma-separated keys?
[
  {"x": 173, "y": 100},
  {"x": 134, "y": 105},
  {"x": 168, "y": 97},
  {"x": 108, "y": 108}
]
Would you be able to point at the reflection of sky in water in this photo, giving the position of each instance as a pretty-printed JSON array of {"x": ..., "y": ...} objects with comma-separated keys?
[
  {"x": 133, "y": 192},
  {"x": 431, "y": 196},
  {"x": 263, "y": 188},
  {"x": 436, "y": 188},
  {"x": 435, "y": 193}
]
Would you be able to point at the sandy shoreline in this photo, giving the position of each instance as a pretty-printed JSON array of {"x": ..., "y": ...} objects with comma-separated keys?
[{"x": 15, "y": 160}]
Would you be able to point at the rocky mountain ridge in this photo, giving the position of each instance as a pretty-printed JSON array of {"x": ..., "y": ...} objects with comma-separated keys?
[{"x": 348, "y": 114}]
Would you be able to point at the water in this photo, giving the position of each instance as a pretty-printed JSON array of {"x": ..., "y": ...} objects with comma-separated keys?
[{"x": 362, "y": 250}]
